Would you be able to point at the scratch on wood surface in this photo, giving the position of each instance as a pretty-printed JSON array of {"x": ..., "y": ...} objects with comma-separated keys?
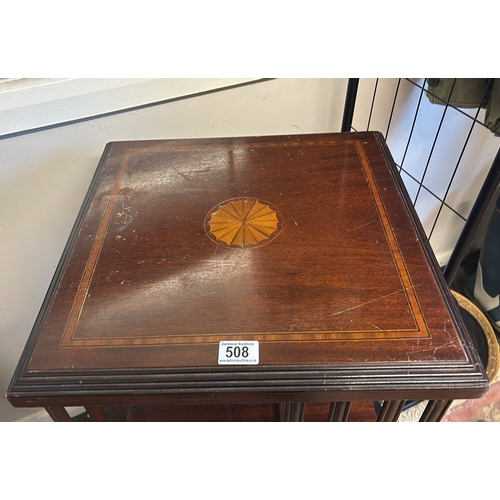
[
  {"x": 181, "y": 174},
  {"x": 258, "y": 170},
  {"x": 452, "y": 343},
  {"x": 117, "y": 251},
  {"x": 370, "y": 301},
  {"x": 447, "y": 344},
  {"x": 359, "y": 227}
]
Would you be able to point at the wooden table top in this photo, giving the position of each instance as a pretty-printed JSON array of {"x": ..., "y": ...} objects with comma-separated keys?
[{"x": 307, "y": 244}]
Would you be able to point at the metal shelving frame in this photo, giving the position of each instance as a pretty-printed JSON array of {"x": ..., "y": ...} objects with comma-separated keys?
[{"x": 484, "y": 198}]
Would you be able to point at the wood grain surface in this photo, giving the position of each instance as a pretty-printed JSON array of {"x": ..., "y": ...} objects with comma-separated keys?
[{"x": 307, "y": 244}]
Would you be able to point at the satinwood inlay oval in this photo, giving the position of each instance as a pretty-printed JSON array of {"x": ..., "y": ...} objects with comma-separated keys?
[{"x": 243, "y": 222}]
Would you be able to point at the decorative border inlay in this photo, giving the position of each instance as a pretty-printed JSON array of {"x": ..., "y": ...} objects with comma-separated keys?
[{"x": 421, "y": 329}]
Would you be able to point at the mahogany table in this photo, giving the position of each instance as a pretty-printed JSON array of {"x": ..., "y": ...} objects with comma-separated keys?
[{"x": 256, "y": 278}]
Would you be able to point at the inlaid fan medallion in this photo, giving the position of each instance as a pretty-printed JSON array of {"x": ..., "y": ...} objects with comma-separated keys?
[{"x": 243, "y": 222}]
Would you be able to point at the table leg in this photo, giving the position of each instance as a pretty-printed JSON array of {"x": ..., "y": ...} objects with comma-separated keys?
[
  {"x": 435, "y": 410},
  {"x": 96, "y": 413},
  {"x": 339, "y": 411},
  {"x": 58, "y": 413},
  {"x": 390, "y": 411},
  {"x": 119, "y": 413},
  {"x": 291, "y": 412}
]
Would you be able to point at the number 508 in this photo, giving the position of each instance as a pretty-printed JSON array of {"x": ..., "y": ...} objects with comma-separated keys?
[{"x": 237, "y": 352}]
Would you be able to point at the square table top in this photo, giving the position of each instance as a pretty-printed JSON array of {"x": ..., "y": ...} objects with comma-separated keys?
[{"x": 307, "y": 244}]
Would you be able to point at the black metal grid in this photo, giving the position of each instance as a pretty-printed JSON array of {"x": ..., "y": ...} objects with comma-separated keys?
[{"x": 469, "y": 220}]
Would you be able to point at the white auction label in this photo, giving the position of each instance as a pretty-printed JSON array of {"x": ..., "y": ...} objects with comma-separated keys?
[{"x": 239, "y": 352}]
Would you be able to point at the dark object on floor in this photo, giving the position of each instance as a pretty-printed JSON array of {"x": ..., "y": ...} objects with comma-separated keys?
[
  {"x": 482, "y": 334},
  {"x": 483, "y": 337},
  {"x": 483, "y": 287}
]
